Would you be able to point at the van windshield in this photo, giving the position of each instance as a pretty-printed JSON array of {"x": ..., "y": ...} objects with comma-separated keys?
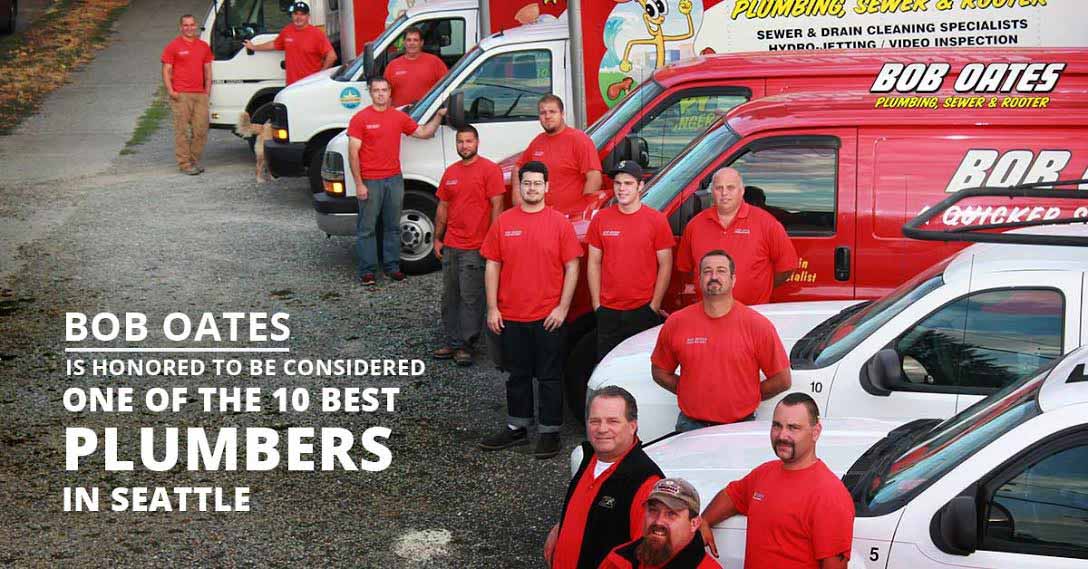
[
  {"x": 455, "y": 73},
  {"x": 610, "y": 123},
  {"x": 825, "y": 345},
  {"x": 352, "y": 69},
  {"x": 695, "y": 158},
  {"x": 917, "y": 462}
]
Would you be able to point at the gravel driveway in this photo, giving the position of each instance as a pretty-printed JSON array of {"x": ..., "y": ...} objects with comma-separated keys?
[{"x": 144, "y": 238}]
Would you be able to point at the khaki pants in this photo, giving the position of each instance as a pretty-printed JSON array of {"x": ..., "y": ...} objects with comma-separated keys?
[{"x": 190, "y": 112}]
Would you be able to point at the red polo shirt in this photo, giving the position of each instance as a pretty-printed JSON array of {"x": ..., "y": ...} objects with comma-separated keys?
[
  {"x": 303, "y": 50},
  {"x": 188, "y": 59},
  {"x": 569, "y": 155},
  {"x": 629, "y": 244},
  {"x": 412, "y": 78},
  {"x": 532, "y": 247},
  {"x": 795, "y": 517},
  {"x": 568, "y": 546},
  {"x": 468, "y": 191},
  {"x": 380, "y": 131},
  {"x": 755, "y": 239},
  {"x": 720, "y": 360}
]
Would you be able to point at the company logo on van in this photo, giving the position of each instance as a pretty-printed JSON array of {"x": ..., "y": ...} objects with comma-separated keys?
[
  {"x": 1002, "y": 82},
  {"x": 350, "y": 97}
]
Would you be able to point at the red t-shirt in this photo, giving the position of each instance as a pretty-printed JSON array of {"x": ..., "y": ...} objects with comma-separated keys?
[
  {"x": 755, "y": 239},
  {"x": 532, "y": 247},
  {"x": 188, "y": 59},
  {"x": 569, "y": 155},
  {"x": 380, "y": 132},
  {"x": 468, "y": 191},
  {"x": 303, "y": 50},
  {"x": 795, "y": 517},
  {"x": 720, "y": 360},
  {"x": 412, "y": 78},
  {"x": 629, "y": 244},
  {"x": 568, "y": 546}
]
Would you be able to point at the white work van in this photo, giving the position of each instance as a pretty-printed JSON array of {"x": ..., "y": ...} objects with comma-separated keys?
[
  {"x": 1002, "y": 484},
  {"x": 970, "y": 325}
]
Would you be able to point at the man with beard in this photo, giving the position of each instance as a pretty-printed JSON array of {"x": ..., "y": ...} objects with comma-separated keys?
[
  {"x": 757, "y": 242},
  {"x": 306, "y": 48},
  {"x": 799, "y": 513},
  {"x": 607, "y": 496},
  {"x": 569, "y": 154},
  {"x": 532, "y": 267},
  {"x": 720, "y": 345},
  {"x": 413, "y": 73},
  {"x": 629, "y": 262},
  {"x": 470, "y": 200},
  {"x": 670, "y": 536}
]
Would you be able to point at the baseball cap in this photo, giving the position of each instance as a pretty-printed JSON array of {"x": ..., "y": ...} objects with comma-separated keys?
[
  {"x": 677, "y": 494},
  {"x": 300, "y": 7},
  {"x": 627, "y": 167}
]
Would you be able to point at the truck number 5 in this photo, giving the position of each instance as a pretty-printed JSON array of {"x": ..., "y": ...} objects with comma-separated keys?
[{"x": 874, "y": 554}]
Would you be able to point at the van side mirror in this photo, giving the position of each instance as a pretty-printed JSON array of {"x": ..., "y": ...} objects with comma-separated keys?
[
  {"x": 882, "y": 372},
  {"x": 954, "y": 528},
  {"x": 455, "y": 109}
]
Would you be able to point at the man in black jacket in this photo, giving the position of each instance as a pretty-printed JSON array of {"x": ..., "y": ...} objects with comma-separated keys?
[{"x": 607, "y": 496}]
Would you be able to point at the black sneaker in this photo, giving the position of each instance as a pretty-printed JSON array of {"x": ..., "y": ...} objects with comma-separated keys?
[
  {"x": 505, "y": 438},
  {"x": 547, "y": 445}
]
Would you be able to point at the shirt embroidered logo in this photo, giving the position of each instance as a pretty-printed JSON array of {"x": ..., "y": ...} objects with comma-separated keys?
[
  {"x": 607, "y": 502},
  {"x": 757, "y": 496},
  {"x": 610, "y": 233},
  {"x": 512, "y": 233},
  {"x": 742, "y": 231},
  {"x": 373, "y": 126},
  {"x": 697, "y": 340}
]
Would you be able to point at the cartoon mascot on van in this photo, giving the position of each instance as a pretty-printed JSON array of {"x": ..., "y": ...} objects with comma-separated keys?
[{"x": 638, "y": 43}]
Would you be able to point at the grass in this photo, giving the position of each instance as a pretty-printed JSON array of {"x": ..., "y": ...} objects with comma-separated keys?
[
  {"x": 149, "y": 122},
  {"x": 39, "y": 59}
]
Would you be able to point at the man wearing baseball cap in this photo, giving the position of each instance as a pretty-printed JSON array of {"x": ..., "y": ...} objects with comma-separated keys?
[
  {"x": 670, "y": 532},
  {"x": 629, "y": 262},
  {"x": 306, "y": 49}
]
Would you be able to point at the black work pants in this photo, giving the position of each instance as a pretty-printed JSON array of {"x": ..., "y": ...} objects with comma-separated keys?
[
  {"x": 531, "y": 351},
  {"x": 615, "y": 326}
]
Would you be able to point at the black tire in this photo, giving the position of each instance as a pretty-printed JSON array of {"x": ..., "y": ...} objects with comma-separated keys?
[
  {"x": 317, "y": 156},
  {"x": 417, "y": 232},
  {"x": 581, "y": 360}
]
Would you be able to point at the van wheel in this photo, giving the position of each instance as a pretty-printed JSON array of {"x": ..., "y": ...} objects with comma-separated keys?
[
  {"x": 417, "y": 232},
  {"x": 314, "y": 172},
  {"x": 576, "y": 371}
]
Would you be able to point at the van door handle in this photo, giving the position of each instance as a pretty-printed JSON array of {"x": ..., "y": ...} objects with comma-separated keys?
[{"x": 842, "y": 263}]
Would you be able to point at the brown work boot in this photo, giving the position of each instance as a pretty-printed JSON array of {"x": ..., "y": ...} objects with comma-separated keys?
[
  {"x": 462, "y": 357},
  {"x": 444, "y": 353}
]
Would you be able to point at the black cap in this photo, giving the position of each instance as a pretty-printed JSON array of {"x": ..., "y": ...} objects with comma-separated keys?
[
  {"x": 627, "y": 167},
  {"x": 300, "y": 7}
]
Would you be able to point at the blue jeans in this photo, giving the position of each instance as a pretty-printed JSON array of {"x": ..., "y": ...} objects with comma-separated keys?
[{"x": 384, "y": 198}]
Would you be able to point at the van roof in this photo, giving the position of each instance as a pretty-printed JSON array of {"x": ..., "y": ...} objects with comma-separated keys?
[
  {"x": 990, "y": 258},
  {"x": 437, "y": 5},
  {"x": 1067, "y": 382},
  {"x": 860, "y": 62},
  {"x": 543, "y": 30},
  {"x": 858, "y": 109}
]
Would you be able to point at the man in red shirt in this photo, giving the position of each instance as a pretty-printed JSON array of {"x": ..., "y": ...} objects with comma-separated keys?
[
  {"x": 532, "y": 267},
  {"x": 720, "y": 345},
  {"x": 187, "y": 76},
  {"x": 374, "y": 135},
  {"x": 572, "y": 160},
  {"x": 630, "y": 261},
  {"x": 306, "y": 48},
  {"x": 470, "y": 200},
  {"x": 670, "y": 532},
  {"x": 606, "y": 497},
  {"x": 758, "y": 243},
  {"x": 413, "y": 73},
  {"x": 799, "y": 513}
]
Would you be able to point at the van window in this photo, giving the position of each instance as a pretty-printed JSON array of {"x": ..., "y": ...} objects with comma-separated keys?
[
  {"x": 669, "y": 128},
  {"x": 507, "y": 87},
  {"x": 985, "y": 340},
  {"x": 444, "y": 37},
  {"x": 239, "y": 19},
  {"x": 1043, "y": 506}
]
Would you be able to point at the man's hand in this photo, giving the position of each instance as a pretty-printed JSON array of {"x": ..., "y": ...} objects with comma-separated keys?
[
  {"x": 174, "y": 94},
  {"x": 555, "y": 318},
  {"x": 657, "y": 308},
  {"x": 361, "y": 193},
  {"x": 248, "y": 44},
  {"x": 441, "y": 113},
  {"x": 708, "y": 538},
  {"x": 438, "y": 248},
  {"x": 549, "y": 544},
  {"x": 494, "y": 320}
]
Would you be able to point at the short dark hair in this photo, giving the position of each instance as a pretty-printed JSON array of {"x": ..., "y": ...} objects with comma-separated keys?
[
  {"x": 631, "y": 407},
  {"x": 414, "y": 30},
  {"x": 183, "y": 16},
  {"x": 719, "y": 253},
  {"x": 378, "y": 79},
  {"x": 551, "y": 98},
  {"x": 533, "y": 167},
  {"x": 469, "y": 128},
  {"x": 798, "y": 398}
]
